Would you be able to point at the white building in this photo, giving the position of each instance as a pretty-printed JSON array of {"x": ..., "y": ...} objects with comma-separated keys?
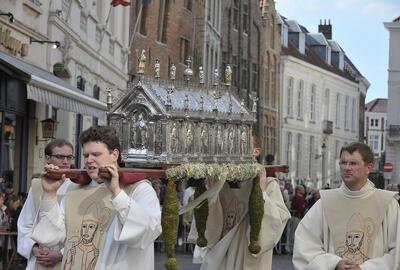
[
  {"x": 376, "y": 125},
  {"x": 40, "y": 82},
  {"x": 393, "y": 136},
  {"x": 319, "y": 105}
]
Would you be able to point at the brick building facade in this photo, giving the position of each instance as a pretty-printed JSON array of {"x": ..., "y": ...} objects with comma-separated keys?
[{"x": 166, "y": 30}]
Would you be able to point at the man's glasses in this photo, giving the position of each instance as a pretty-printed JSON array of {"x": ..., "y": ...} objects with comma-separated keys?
[{"x": 62, "y": 157}]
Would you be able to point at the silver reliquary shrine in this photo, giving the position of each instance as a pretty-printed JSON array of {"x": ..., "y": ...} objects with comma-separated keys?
[{"x": 170, "y": 122}]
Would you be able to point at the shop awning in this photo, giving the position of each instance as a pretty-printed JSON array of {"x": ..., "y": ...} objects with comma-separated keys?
[{"x": 43, "y": 86}]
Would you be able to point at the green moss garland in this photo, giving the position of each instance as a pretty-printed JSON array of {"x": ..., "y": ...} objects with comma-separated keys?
[
  {"x": 169, "y": 223},
  {"x": 201, "y": 215},
  {"x": 256, "y": 212}
]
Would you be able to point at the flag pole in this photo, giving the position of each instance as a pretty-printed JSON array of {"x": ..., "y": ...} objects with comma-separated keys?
[
  {"x": 104, "y": 29},
  {"x": 139, "y": 17}
]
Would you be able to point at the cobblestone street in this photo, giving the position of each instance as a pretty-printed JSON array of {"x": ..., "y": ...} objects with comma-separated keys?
[{"x": 279, "y": 262}]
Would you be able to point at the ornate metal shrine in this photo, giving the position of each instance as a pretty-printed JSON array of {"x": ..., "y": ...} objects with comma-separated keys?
[{"x": 164, "y": 122}]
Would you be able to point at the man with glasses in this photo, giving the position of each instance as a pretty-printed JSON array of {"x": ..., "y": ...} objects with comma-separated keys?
[
  {"x": 105, "y": 224},
  {"x": 352, "y": 227},
  {"x": 59, "y": 153}
]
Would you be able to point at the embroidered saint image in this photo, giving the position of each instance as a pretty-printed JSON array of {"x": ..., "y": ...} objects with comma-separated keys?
[
  {"x": 231, "y": 216},
  {"x": 359, "y": 233},
  {"x": 84, "y": 252}
]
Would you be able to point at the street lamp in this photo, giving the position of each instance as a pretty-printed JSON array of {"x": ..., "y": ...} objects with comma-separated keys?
[
  {"x": 55, "y": 44},
  {"x": 9, "y": 15}
]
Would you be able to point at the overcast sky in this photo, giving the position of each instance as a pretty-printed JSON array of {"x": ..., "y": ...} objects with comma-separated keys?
[{"x": 357, "y": 25}]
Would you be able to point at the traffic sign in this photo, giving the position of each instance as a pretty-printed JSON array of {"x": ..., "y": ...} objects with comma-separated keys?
[{"x": 388, "y": 167}]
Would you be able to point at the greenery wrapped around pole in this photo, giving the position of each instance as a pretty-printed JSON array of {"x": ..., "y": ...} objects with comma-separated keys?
[
  {"x": 201, "y": 215},
  {"x": 170, "y": 223},
  {"x": 256, "y": 212}
]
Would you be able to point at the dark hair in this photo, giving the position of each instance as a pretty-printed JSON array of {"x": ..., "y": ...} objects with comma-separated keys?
[
  {"x": 48, "y": 151},
  {"x": 104, "y": 134},
  {"x": 10, "y": 199},
  {"x": 363, "y": 149}
]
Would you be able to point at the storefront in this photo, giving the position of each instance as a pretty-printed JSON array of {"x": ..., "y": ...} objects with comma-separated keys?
[
  {"x": 22, "y": 87},
  {"x": 13, "y": 127}
]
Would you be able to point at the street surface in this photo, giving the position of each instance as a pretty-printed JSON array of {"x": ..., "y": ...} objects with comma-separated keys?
[{"x": 279, "y": 262}]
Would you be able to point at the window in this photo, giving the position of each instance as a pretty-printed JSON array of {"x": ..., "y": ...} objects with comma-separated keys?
[
  {"x": 244, "y": 74},
  {"x": 298, "y": 154},
  {"x": 245, "y": 19},
  {"x": 111, "y": 47},
  {"x": 51, "y": 112},
  {"x": 236, "y": 14},
  {"x": 374, "y": 122},
  {"x": 254, "y": 79},
  {"x": 66, "y": 4},
  {"x": 289, "y": 108},
  {"x": 235, "y": 71},
  {"x": 337, "y": 113},
  {"x": 273, "y": 136},
  {"x": 300, "y": 94},
  {"x": 311, "y": 157},
  {"x": 312, "y": 103},
  {"x": 83, "y": 22},
  {"x": 336, "y": 159},
  {"x": 188, "y": 4},
  {"x": 184, "y": 50},
  {"x": 209, "y": 10},
  {"x": 374, "y": 142},
  {"x": 162, "y": 21},
  {"x": 142, "y": 11},
  {"x": 346, "y": 112},
  {"x": 80, "y": 83},
  {"x": 98, "y": 35},
  {"x": 273, "y": 85},
  {"x": 327, "y": 105},
  {"x": 289, "y": 149},
  {"x": 267, "y": 81},
  {"x": 353, "y": 115},
  {"x": 273, "y": 32}
]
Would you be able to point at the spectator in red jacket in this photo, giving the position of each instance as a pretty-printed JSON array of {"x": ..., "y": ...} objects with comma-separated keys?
[{"x": 299, "y": 203}]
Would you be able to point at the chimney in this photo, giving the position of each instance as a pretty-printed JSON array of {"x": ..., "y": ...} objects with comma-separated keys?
[{"x": 325, "y": 29}]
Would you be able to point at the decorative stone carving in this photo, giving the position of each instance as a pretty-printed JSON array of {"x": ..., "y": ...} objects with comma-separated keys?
[
  {"x": 231, "y": 141},
  {"x": 216, "y": 77},
  {"x": 220, "y": 141},
  {"x": 186, "y": 102},
  {"x": 228, "y": 75},
  {"x": 201, "y": 75},
  {"x": 172, "y": 72},
  {"x": 203, "y": 140},
  {"x": 243, "y": 141},
  {"x": 140, "y": 132},
  {"x": 174, "y": 139},
  {"x": 189, "y": 140},
  {"x": 170, "y": 90},
  {"x": 157, "y": 68},
  {"x": 254, "y": 107},
  {"x": 201, "y": 104},
  {"x": 142, "y": 63}
]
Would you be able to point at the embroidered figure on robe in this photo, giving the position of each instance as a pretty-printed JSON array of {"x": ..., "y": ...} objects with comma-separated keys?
[
  {"x": 231, "y": 216},
  {"x": 84, "y": 253},
  {"x": 358, "y": 237}
]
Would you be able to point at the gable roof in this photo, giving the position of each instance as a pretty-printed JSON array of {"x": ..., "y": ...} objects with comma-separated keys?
[
  {"x": 313, "y": 58},
  {"x": 377, "y": 105}
]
